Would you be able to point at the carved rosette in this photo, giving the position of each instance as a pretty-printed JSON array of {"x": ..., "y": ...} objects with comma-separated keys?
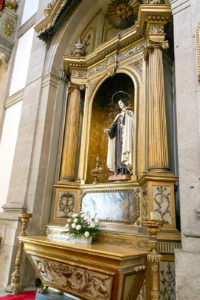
[
  {"x": 73, "y": 278},
  {"x": 122, "y": 13}
]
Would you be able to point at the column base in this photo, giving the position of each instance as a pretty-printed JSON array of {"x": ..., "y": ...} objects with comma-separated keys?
[{"x": 159, "y": 169}]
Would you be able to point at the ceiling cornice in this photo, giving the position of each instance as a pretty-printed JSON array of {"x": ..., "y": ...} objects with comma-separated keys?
[{"x": 55, "y": 13}]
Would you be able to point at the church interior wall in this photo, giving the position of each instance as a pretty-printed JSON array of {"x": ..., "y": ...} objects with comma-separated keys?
[{"x": 187, "y": 95}]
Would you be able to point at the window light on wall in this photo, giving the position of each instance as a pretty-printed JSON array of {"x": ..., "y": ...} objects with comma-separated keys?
[
  {"x": 7, "y": 148},
  {"x": 21, "y": 63},
  {"x": 30, "y": 8}
]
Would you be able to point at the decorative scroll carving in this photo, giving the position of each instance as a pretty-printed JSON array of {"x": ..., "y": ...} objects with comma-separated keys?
[
  {"x": 91, "y": 87},
  {"x": 198, "y": 48},
  {"x": 143, "y": 244},
  {"x": 8, "y": 22},
  {"x": 88, "y": 39},
  {"x": 131, "y": 51},
  {"x": 79, "y": 73},
  {"x": 112, "y": 61},
  {"x": 66, "y": 204},
  {"x": 167, "y": 280},
  {"x": 137, "y": 65},
  {"x": 151, "y": 45},
  {"x": 162, "y": 203},
  {"x": 89, "y": 283},
  {"x": 12, "y": 4},
  {"x": 97, "y": 68},
  {"x": 156, "y": 28},
  {"x": 8, "y": 26},
  {"x": 145, "y": 204}
]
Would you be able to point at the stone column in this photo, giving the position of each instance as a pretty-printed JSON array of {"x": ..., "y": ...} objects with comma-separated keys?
[
  {"x": 69, "y": 154},
  {"x": 158, "y": 147}
]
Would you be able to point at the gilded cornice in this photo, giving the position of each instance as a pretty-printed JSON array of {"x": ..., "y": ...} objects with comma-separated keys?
[
  {"x": 148, "y": 14},
  {"x": 55, "y": 13}
]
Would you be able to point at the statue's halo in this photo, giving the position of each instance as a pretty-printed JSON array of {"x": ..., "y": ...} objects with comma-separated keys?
[{"x": 120, "y": 95}]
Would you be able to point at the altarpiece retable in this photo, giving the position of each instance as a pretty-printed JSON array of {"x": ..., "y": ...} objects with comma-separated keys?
[{"x": 114, "y": 109}]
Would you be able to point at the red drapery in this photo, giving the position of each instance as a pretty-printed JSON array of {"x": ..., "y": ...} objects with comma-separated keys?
[
  {"x": 2, "y": 4},
  {"x": 29, "y": 295}
]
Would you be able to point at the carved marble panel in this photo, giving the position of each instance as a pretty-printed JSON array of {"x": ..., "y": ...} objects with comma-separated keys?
[
  {"x": 162, "y": 203},
  {"x": 167, "y": 280},
  {"x": 72, "y": 278},
  {"x": 66, "y": 204},
  {"x": 145, "y": 204},
  {"x": 137, "y": 48},
  {"x": 79, "y": 73},
  {"x": 138, "y": 66},
  {"x": 88, "y": 39},
  {"x": 156, "y": 28}
]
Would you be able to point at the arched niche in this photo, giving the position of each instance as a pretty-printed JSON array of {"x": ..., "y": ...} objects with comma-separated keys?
[{"x": 103, "y": 112}]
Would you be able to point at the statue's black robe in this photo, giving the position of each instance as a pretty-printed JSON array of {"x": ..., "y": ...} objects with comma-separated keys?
[{"x": 116, "y": 131}]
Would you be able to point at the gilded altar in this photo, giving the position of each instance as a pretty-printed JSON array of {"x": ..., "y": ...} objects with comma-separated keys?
[{"x": 131, "y": 61}]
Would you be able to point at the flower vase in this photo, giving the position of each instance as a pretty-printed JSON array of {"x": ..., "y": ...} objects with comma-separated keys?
[{"x": 82, "y": 240}]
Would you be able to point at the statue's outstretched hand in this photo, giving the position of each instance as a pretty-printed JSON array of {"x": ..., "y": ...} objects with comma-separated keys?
[{"x": 107, "y": 130}]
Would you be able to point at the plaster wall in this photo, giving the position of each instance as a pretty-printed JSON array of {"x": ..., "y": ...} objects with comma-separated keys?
[
  {"x": 186, "y": 17},
  {"x": 33, "y": 169}
]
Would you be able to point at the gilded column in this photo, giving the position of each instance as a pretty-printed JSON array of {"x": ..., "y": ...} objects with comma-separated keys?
[
  {"x": 158, "y": 146},
  {"x": 69, "y": 154}
]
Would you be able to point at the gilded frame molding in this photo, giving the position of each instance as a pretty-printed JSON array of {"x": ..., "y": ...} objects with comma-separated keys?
[{"x": 135, "y": 191}]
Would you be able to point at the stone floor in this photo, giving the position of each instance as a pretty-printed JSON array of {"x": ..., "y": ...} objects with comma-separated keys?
[{"x": 52, "y": 295}]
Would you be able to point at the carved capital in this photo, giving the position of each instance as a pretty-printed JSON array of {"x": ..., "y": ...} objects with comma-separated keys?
[
  {"x": 154, "y": 257},
  {"x": 73, "y": 86},
  {"x": 152, "y": 45}
]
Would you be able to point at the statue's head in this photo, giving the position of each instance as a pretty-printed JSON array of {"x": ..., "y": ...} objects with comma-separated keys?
[{"x": 122, "y": 103}]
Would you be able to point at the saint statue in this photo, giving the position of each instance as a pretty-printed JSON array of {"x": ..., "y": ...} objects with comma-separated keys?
[{"x": 120, "y": 139}]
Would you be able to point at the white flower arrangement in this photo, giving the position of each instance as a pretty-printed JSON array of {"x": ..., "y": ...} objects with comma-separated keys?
[{"x": 82, "y": 225}]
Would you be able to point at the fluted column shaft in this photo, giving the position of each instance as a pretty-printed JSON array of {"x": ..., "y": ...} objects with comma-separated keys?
[
  {"x": 158, "y": 146},
  {"x": 69, "y": 155}
]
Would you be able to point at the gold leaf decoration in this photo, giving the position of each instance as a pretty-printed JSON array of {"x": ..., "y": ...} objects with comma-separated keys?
[{"x": 123, "y": 13}]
